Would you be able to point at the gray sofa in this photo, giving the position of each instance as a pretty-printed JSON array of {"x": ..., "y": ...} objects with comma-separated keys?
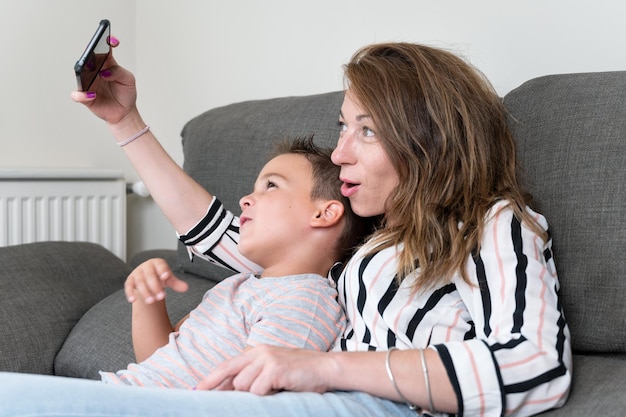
[{"x": 62, "y": 310}]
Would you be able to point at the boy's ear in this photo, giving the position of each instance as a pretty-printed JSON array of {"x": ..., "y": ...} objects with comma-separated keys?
[{"x": 328, "y": 213}]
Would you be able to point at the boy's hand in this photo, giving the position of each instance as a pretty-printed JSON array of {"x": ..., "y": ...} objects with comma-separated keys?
[{"x": 149, "y": 280}]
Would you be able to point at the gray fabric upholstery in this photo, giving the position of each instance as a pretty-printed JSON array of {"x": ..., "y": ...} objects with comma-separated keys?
[
  {"x": 597, "y": 388},
  {"x": 45, "y": 288},
  {"x": 571, "y": 133}
]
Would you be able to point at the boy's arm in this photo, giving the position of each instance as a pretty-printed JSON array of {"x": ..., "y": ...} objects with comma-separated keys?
[
  {"x": 151, "y": 328},
  {"x": 145, "y": 288}
]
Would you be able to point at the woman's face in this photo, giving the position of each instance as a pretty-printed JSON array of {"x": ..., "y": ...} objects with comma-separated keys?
[{"x": 367, "y": 173}]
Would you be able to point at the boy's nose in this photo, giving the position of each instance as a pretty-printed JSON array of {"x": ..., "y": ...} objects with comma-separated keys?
[{"x": 245, "y": 201}]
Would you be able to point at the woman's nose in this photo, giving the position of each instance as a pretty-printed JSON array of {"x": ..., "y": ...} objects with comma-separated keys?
[{"x": 342, "y": 154}]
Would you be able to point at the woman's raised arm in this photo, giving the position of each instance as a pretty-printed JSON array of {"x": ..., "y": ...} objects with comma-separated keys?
[{"x": 113, "y": 99}]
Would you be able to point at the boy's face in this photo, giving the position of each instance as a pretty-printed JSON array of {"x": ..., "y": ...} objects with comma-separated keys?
[{"x": 276, "y": 217}]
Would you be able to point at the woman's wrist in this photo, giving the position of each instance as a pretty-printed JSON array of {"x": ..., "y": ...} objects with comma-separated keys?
[
  {"x": 130, "y": 125},
  {"x": 333, "y": 370},
  {"x": 354, "y": 371},
  {"x": 135, "y": 136}
]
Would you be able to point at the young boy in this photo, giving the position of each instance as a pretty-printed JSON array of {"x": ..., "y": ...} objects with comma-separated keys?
[{"x": 294, "y": 227}]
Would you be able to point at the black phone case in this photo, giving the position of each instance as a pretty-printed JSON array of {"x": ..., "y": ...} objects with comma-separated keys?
[{"x": 85, "y": 76}]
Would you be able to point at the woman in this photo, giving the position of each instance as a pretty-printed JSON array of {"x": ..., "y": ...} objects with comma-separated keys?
[{"x": 452, "y": 303}]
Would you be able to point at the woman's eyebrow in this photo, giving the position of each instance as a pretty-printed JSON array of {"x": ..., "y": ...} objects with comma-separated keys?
[{"x": 358, "y": 117}]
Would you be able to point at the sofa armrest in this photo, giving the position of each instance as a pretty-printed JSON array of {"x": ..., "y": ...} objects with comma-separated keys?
[{"x": 46, "y": 289}]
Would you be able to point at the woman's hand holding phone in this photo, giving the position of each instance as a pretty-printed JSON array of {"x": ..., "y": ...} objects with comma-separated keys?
[{"x": 112, "y": 93}]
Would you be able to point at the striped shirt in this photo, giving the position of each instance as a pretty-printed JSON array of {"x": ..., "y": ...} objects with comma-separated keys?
[
  {"x": 502, "y": 337},
  {"x": 298, "y": 311}
]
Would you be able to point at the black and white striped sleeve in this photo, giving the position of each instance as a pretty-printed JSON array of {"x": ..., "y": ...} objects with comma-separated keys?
[{"x": 215, "y": 237}]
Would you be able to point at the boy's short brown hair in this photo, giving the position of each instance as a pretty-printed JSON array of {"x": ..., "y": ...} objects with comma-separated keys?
[{"x": 327, "y": 186}]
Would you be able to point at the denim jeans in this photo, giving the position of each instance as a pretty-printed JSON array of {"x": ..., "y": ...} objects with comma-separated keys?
[{"x": 53, "y": 396}]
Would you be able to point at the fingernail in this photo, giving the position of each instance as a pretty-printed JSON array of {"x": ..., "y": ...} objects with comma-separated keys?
[
  {"x": 113, "y": 41},
  {"x": 105, "y": 73},
  {"x": 90, "y": 94},
  {"x": 194, "y": 388}
]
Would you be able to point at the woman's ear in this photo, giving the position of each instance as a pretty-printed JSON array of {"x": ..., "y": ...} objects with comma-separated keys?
[{"x": 328, "y": 213}]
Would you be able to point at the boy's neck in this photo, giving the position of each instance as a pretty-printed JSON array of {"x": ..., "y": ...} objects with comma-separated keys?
[{"x": 318, "y": 267}]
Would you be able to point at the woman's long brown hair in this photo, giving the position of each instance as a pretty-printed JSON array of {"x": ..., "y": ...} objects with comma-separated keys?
[{"x": 444, "y": 129}]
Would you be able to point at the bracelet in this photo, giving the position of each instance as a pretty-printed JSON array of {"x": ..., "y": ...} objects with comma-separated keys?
[
  {"x": 426, "y": 381},
  {"x": 133, "y": 137},
  {"x": 393, "y": 380}
]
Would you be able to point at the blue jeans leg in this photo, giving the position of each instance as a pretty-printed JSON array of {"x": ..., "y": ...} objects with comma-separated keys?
[{"x": 41, "y": 395}]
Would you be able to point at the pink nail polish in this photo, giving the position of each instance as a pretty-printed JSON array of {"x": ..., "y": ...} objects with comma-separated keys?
[
  {"x": 113, "y": 41},
  {"x": 90, "y": 94},
  {"x": 105, "y": 73}
]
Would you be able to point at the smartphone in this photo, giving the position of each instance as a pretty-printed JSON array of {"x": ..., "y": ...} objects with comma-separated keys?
[{"x": 91, "y": 61}]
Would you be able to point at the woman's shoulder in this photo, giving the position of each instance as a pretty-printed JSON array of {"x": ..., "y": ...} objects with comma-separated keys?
[{"x": 502, "y": 212}]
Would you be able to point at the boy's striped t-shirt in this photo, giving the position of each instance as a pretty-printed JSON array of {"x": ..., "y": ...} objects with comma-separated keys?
[{"x": 292, "y": 311}]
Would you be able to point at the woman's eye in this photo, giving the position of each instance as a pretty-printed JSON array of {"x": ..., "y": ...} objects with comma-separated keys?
[
  {"x": 366, "y": 131},
  {"x": 271, "y": 184}
]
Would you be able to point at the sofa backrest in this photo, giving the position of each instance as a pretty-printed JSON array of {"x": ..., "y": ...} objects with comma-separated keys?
[{"x": 571, "y": 133}]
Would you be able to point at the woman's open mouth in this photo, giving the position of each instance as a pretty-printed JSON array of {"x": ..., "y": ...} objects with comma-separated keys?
[{"x": 348, "y": 189}]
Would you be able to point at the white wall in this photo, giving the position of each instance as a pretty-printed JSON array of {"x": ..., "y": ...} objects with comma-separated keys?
[{"x": 192, "y": 55}]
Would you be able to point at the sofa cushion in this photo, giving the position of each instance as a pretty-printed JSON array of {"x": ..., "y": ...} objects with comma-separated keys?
[
  {"x": 571, "y": 133},
  {"x": 251, "y": 128},
  {"x": 597, "y": 388},
  {"x": 46, "y": 288}
]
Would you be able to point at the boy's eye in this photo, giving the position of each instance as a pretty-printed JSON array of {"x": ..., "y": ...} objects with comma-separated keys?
[{"x": 271, "y": 184}]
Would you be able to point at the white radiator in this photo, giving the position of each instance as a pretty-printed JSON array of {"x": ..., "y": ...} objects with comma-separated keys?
[{"x": 63, "y": 205}]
